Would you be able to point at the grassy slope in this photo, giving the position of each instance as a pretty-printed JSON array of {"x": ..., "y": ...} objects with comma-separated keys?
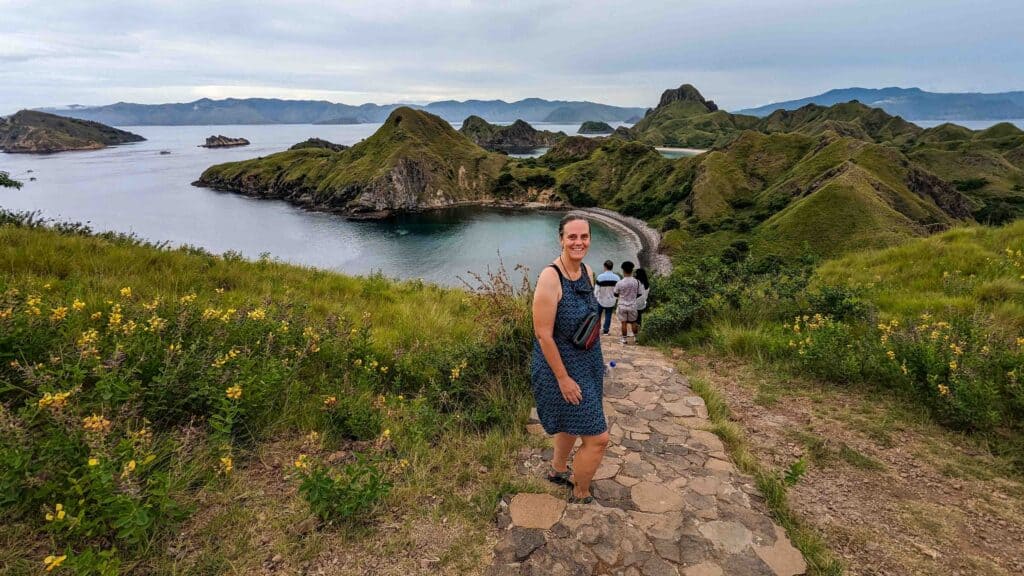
[
  {"x": 421, "y": 330},
  {"x": 450, "y": 162},
  {"x": 49, "y": 132},
  {"x": 690, "y": 124},
  {"x": 963, "y": 271}
]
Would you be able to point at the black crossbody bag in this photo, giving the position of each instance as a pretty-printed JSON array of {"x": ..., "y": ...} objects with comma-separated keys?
[{"x": 588, "y": 331}]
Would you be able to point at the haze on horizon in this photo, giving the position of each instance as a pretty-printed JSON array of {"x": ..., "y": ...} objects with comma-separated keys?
[{"x": 740, "y": 54}]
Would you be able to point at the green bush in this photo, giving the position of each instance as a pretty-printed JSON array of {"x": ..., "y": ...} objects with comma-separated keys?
[{"x": 351, "y": 494}]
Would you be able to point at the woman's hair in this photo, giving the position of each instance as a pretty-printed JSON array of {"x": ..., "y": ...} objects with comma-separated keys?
[
  {"x": 641, "y": 275},
  {"x": 571, "y": 217}
]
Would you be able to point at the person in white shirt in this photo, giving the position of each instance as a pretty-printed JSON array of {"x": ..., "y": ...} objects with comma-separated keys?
[
  {"x": 641, "y": 301},
  {"x": 628, "y": 290},
  {"x": 606, "y": 293}
]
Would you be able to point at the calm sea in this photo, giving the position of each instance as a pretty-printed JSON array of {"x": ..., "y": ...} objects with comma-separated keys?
[{"x": 136, "y": 189}]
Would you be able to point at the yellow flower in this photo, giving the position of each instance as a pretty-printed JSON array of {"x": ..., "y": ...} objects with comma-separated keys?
[
  {"x": 57, "y": 515},
  {"x": 52, "y": 562},
  {"x": 384, "y": 369},
  {"x": 386, "y": 433},
  {"x": 330, "y": 401},
  {"x": 115, "y": 317},
  {"x": 174, "y": 348},
  {"x": 96, "y": 423},
  {"x": 226, "y": 465},
  {"x": 257, "y": 314},
  {"x": 792, "y": 344},
  {"x": 357, "y": 362},
  {"x": 302, "y": 462},
  {"x": 96, "y": 316},
  {"x": 891, "y": 355},
  {"x": 403, "y": 463},
  {"x": 129, "y": 328},
  {"x": 78, "y": 305},
  {"x": 47, "y": 286},
  {"x": 234, "y": 393},
  {"x": 456, "y": 373},
  {"x": 956, "y": 349},
  {"x": 55, "y": 401},
  {"x": 59, "y": 313},
  {"x": 187, "y": 299},
  {"x": 211, "y": 313},
  {"x": 903, "y": 367},
  {"x": 126, "y": 292},
  {"x": 218, "y": 290},
  {"x": 284, "y": 327},
  {"x": 943, "y": 390},
  {"x": 156, "y": 324},
  {"x": 228, "y": 315},
  {"x": 94, "y": 462},
  {"x": 130, "y": 466},
  {"x": 150, "y": 306},
  {"x": 401, "y": 398},
  {"x": 952, "y": 364}
]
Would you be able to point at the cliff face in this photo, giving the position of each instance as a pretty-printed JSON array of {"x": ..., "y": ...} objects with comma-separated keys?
[
  {"x": 38, "y": 132},
  {"x": 415, "y": 161},
  {"x": 519, "y": 137},
  {"x": 221, "y": 141}
]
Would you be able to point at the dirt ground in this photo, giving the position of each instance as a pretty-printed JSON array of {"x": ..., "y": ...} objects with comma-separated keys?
[
  {"x": 260, "y": 524},
  {"x": 891, "y": 493}
]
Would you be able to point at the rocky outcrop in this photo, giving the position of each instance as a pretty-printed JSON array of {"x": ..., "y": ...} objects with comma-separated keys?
[
  {"x": 591, "y": 127},
  {"x": 221, "y": 141},
  {"x": 29, "y": 131},
  {"x": 685, "y": 93},
  {"x": 319, "y": 143},
  {"x": 517, "y": 138},
  {"x": 415, "y": 161}
]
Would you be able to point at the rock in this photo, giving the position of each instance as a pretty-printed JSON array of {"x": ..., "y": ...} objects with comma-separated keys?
[
  {"x": 524, "y": 541},
  {"x": 782, "y": 557},
  {"x": 606, "y": 470},
  {"x": 221, "y": 141},
  {"x": 703, "y": 569},
  {"x": 535, "y": 510},
  {"x": 519, "y": 137},
  {"x": 730, "y": 537},
  {"x": 650, "y": 497}
]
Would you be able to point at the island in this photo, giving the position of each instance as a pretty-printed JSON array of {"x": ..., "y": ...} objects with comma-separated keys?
[
  {"x": 32, "y": 132},
  {"x": 592, "y": 127},
  {"x": 517, "y": 138},
  {"x": 220, "y": 141},
  {"x": 319, "y": 143}
]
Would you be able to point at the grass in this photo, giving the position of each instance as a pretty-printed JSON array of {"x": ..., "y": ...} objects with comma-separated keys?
[
  {"x": 820, "y": 560},
  {"x": 439, "y": 414}
]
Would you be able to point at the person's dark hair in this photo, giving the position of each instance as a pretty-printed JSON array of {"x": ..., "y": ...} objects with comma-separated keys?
[
  {"x": 641, "y": 275},
  {"x": 608, "y": 264},
  {"x": 627, "y": 267},
  {"x": 571, "y": 217}
]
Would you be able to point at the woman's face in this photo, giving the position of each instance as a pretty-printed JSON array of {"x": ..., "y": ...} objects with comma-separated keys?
[{"x": 576, "y": 239}]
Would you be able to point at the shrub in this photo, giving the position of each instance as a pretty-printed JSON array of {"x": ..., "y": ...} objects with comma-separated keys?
[
  {"x": 351, "y": 494},
  {"x": 839, "y": 302}
]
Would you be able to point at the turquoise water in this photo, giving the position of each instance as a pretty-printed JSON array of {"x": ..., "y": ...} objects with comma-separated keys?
[{"x": 135, "y": 189}]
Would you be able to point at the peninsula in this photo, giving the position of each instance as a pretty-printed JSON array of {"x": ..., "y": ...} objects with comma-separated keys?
[{"x": 29, "y": 131}]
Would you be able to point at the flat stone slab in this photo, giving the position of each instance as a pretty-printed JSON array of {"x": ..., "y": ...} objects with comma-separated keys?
[
  {"x": 651, "y": 497},
  {"x": 782, "y": 557},
  {"x": 535, "y": 510}
]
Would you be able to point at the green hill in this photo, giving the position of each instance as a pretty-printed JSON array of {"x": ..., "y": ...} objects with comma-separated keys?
[
  {"x": 847, "y": 119},
  {"x": 39, "y": 132},
  {"x": 415, "y": 161},
  {"x": 518, "y": 137}
]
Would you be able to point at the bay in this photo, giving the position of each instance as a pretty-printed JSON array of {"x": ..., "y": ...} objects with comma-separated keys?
[{"x": 135, "y": 189}]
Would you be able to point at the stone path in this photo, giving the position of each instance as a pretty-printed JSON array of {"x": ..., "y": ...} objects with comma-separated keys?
[{"x": 670, "y": 503}]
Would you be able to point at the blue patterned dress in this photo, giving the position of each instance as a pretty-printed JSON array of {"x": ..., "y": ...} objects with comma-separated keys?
[{"x": 586, "y": 367}]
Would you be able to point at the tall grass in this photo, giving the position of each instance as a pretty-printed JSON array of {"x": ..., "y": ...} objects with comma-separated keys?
[
  {"x": 133, "y": 375},
  {"x": 939, "y": 320}
]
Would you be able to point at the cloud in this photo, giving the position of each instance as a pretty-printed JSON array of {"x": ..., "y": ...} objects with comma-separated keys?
[{"x": 738, "y": 53}]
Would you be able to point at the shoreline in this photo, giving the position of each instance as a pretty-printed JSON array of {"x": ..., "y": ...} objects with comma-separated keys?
[{"x": 647, "y": 239}]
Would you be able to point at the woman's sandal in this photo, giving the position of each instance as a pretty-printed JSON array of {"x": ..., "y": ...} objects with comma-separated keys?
[
  {"x": 574, "y": 500},
  {"x": 560, "y": 477}
]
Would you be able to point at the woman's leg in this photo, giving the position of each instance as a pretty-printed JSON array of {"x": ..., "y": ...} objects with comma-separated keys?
[
  {"x": 587, "y": 460},
  {"x": 563, "y": 446}
]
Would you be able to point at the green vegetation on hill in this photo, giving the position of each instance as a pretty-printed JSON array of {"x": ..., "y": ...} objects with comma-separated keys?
[
  {"x": 594, "y": 127},
  {"x": 847, "y": 119},
  {"x": 138, "y": 385},
  {"x": 518, "y": 137},
  {"x": 414, "y": 161},
  {"x": 31, "y": 131}
]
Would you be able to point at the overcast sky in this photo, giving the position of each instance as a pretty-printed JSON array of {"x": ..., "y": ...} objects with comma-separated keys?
[{"x": 740, "y": 54}]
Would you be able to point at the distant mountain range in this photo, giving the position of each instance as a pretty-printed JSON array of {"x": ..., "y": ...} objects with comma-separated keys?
[
  {"x": 274, "y": 111},
  {"x": 914, "y": 103}
]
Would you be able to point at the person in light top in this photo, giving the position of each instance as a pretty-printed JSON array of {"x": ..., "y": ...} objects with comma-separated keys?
[
  {"x": 606, "y": 293},
  {"x": 628, "y": 290},
  {"x": 641, "y": 301}
]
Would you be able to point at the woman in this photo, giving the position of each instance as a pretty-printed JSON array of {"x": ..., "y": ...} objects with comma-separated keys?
[
  {"x": 568, "y": 382},
  {"x": 641, "y": 300}
]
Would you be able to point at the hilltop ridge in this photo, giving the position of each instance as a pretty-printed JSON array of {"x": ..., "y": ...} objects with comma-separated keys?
[{"x": 29, "y": 131}]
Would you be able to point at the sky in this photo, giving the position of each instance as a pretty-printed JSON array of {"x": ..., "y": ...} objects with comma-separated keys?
[{"x": 740, "y": 54}]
